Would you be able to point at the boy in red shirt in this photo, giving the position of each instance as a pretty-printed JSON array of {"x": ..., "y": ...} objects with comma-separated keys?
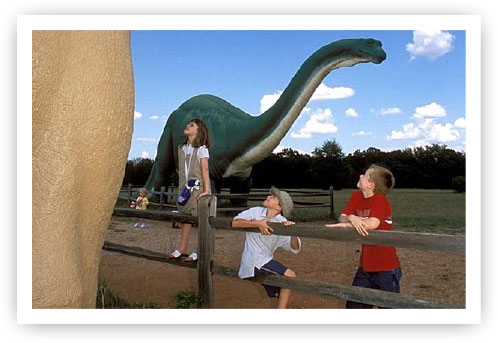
[{"x": 369, "y": 209}]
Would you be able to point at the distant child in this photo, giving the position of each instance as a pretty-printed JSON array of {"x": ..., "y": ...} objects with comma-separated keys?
[
  {"x": 193, "y": 172},
  {"x": 141, "y": 204},
  {"x": 369, "y": 209},
  {"x": 257, "y": 257}
]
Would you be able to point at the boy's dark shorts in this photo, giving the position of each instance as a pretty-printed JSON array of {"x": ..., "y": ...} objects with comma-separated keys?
[
  {"x": 272, "y": 267},
  {"x": 385, "y": 281}
]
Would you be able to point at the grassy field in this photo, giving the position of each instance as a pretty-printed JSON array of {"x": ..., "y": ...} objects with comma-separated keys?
[{"x": 415, "y": 210}]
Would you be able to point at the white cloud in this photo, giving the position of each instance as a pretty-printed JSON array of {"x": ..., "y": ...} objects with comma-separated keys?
[
  {"x": 153, "y": 117},
  {"x": 145, "y": 154},
  {"x": 443, "y": 133},
  {"x": 431, "y": 111},
  {"x": 280, "y": 148},
  {"x": 351, "y": 112},
  {"x": 362, "y": 133},
  {"x": 391, "y": 110},
  {"x": 268, "y": 100},
  {"x": 148, "y": 140},
  {"x": 409, "y": 132},
  {"x": 460, "y": 123},
  {"x": 306, "y": 110},
  {"x": 430, "y": 44},
  {"x": 322, "y": 92},
  {"x": 425, "y": 131},
  {"x": 138, "y": 115},
  {"x": 319, "y": 122}
]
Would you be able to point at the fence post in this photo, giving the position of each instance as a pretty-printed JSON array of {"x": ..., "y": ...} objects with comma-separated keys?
[
  {"x": 129, "y": 194},
  {"x": 171, "y": 190},
  {"x": 161, "y": 197},
  {"x": 331, "y": 191},
  {"x": 206, "y": 251}
]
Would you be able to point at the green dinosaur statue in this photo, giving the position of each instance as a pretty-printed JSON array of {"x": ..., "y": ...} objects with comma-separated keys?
[{"x": 239, "y": 140}]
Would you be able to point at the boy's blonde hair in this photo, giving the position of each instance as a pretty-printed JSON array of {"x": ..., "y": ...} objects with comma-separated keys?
[
  {"x": 143, "y": 190},
  {"x": 382, "y": 178}
]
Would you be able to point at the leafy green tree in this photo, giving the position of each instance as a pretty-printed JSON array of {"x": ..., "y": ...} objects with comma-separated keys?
[
  {"x": 328, "y": 167},
  {"x": 137, "y": 171},
  {"x": 458, "y": 184}
]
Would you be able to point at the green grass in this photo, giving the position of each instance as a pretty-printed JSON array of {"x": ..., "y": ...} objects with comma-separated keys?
[
  {"x": 186, "y": 299},
  {"x": 436, "y": 211},
  {"x": 106, "y": 299},
  {"x": 414, "y": 210}
]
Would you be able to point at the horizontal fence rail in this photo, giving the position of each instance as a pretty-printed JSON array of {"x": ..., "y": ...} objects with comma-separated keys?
[
  {"x": 171, "y": 192},
  {"x": 353, "y": 293},
  {"x": 147, "y": 254},
  {"x": 154, "y": 214},
  {"x": 358, "y": 294},
  {"x": 409, "y": 240},
  {"x": 207, "y": 223}
]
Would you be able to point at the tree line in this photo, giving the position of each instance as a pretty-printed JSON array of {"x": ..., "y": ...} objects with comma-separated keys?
[{"x": 430, "y": 167}]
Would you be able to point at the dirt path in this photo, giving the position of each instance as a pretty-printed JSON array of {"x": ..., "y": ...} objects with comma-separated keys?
[{"x": 425, "y": 274}]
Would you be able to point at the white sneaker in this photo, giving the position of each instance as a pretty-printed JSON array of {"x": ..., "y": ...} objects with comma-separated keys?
[
  {"x": 142, "y": 226},
  {"x": 136, "y": 225}
]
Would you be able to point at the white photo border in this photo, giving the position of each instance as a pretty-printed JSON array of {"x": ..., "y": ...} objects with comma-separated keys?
[{"x": 470, "y": 23}]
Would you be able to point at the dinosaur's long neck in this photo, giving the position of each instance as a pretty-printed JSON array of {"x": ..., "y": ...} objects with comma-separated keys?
[
  {"x": 265, "y": 132},
  {"x": 277, "y": 121}
]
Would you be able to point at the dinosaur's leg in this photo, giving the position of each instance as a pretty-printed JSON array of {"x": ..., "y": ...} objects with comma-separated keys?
[
  {"x": 164, "y": 164},
  {"x": 238, "y": 186},
  {"x": 216, "y": 185},
  {"x": 83, "y": 100}
]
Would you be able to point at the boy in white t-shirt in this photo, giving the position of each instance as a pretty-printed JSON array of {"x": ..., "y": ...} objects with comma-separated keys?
[{"x": 257, "y": 257}]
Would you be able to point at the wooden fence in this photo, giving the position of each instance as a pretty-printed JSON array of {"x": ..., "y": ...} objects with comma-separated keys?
[
  {"x": 169, "y": 194},
  {"x": 207, "y": 224}
]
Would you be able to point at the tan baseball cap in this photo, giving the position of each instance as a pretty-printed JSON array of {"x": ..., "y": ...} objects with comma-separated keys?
[{"x": 285, "y": 201}]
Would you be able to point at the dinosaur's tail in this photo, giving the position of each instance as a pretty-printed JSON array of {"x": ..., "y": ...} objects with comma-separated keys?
[{"x": 164, "y": 164}]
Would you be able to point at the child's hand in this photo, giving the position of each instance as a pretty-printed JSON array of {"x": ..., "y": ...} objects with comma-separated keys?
[
  {"x": 338, "y": 225},
  {"x": 263, "y": 227},
  {"x": 360, "y": 226},
  {"x": 288, "y": 223},
  {"x": 201, "y": 195}
]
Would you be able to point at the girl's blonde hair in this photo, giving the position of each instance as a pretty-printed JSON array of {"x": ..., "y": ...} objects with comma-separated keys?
[
  {"x": 202, "y": 137},
  {"x": 382, "y": 178},
  {"x": 142, "y": 190}
]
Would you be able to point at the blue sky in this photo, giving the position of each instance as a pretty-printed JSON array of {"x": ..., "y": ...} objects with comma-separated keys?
[{"x": 414, "y": 98}]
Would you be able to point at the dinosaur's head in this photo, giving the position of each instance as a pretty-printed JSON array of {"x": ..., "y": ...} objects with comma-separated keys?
[{"x": 369, "y": 49}]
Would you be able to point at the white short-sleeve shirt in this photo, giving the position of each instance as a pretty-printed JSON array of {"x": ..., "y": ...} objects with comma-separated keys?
[
  {"x": 258, "y": 248},
  {"x": 203, "y": 151}
]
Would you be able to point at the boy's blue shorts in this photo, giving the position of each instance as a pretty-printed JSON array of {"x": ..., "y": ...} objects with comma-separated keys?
[
  {"x": 272, "y": 267},
  {"x": 385, "y": 281}
]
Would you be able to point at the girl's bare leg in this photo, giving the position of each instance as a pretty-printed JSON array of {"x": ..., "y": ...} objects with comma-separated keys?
[{"x": 184, "y": 237}]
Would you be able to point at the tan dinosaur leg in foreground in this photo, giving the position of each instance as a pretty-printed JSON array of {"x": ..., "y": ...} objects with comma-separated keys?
[{"x": 83, "y": 103}]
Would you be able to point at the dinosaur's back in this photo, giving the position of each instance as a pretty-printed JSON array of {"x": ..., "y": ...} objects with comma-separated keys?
[
  {"x": 225, "y": 122},
  {"x": 206, "y": 104}
]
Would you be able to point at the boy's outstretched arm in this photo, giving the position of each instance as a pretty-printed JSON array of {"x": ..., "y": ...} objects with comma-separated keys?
[{"x": 361, "y": 224}]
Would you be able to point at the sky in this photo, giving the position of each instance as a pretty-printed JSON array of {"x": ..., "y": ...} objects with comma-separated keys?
[{"x": 416, "y": 97}]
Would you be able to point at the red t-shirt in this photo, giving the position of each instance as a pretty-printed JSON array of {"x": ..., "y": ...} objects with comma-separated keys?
[{"x": 374, "y": 258}]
